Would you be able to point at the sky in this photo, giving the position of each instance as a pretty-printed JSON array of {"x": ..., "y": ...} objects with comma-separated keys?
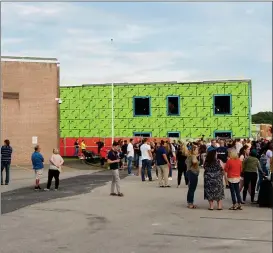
[{"x": 143, "y": 42}]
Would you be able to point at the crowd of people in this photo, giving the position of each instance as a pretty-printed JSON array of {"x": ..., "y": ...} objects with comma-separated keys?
[{"x": 238, "y": 165}]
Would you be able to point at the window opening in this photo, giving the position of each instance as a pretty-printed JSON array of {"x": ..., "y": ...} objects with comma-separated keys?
[
  {"x": 173, "y": 134},
  {"x": 142, "y": 106},
  {"x": 10, "y": 95},
  {"x": 224, "y": 135},
  {"x": 142, "y": 134},
  {"x": 222, "y": 104},
  {"x": 173, "y": 105}
]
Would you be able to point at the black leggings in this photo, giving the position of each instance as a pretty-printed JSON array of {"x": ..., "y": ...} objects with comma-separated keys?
[
  {"x": 250, "y": 177},
  {"x": 51, "y": 174},
  {"x": 102, "y": 161},
  {"x": 182, "y": 170}
]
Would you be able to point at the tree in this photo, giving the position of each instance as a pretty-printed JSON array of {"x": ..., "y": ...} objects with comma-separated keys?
[{"x": 262, "y": 118}]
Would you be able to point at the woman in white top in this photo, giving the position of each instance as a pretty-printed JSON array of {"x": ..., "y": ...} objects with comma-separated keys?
[{"x": 55, "y": 167}]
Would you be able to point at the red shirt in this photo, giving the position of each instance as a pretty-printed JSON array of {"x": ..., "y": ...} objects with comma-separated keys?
[
  {"x": 103, "y": 152},
  {"x": 233, "y": 168}
]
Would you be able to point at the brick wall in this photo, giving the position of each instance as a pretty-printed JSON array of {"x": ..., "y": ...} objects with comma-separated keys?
[{"x": 35, "y": 113}]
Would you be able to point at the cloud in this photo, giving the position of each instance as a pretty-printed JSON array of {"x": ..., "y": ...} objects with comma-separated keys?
[
  {"x": 180, "y": 41},
  {"x": 8, "y": 41}
]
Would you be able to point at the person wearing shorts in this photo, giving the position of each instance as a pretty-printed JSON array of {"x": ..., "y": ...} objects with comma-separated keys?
[{"x": 38, "y": 166}]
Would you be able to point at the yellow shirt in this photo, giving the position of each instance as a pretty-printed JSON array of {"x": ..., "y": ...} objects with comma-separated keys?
[{"x": 83, "y": 146}]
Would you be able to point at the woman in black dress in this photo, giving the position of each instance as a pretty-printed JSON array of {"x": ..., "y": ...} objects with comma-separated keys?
[
  {"x": 213, "y": 181},
  {"x": 182, "y": 155}
]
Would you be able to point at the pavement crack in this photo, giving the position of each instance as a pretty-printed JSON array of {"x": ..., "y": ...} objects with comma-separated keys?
[{"x": 213, "y": 238}]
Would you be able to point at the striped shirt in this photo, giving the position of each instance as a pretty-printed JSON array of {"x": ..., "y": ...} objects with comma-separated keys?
[{"x": 6, "y": 152}]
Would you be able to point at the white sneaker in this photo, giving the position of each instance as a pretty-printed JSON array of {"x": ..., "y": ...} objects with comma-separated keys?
[
  {"x": 170, "y": 178},
  {"x": 46, "y": 189}
]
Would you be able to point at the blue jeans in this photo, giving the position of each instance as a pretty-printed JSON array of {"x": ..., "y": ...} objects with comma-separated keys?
[
  {"x": 146, "y": 164},
  {"x": 130, "y": 164},
  {"x": 171, "y": 171},
  {"x": 193, "y": 181},
  {"x": 235, "y": 193},
  {"x": 76, "y": 152},
  {"x": 125, "y": 158},
  {"x": 266, "y": 171},
  {"x": 136, "y": 158},
  {"x": 5, "y": 166}
]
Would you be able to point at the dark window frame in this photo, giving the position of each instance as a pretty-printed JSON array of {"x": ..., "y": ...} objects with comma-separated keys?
[
  {"x": 230, "y": 105},
  {"x": 173, "y": 132},
  {"x": 178, "y": 100},
  {"x": 134, "y": 104},
  {"x": 139, "y": 134},
  {"x": 222, "y": 131}
]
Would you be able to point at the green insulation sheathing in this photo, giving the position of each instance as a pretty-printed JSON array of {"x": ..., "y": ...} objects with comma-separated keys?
[{"x": 86, "y": 111}]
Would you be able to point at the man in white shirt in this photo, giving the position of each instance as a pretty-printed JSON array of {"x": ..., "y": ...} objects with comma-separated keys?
[
  {"x": 130, "y": 156},
  {"x": 238, "y": 145},
  {"x": 269, "y": 156},
  {"x": 146, "y": 155}
]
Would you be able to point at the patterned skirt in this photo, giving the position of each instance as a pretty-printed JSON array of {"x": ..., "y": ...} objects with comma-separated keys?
[{"x": 213, "y": 186}]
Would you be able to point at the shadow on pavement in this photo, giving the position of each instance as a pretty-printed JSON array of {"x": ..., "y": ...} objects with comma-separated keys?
[
  {"x": 19, "y": 198},
  {"x": 76, "y": 163}
]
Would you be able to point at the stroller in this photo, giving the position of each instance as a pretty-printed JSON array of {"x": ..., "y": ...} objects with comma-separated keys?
[
  {"x": 265, "y": 197},
  {"x": 90, "y": 157}
]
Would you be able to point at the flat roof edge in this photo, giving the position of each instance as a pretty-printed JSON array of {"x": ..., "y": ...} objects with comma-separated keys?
[
  {"x": 167, "y": 82},
  {"x": 29, "y": 59}
]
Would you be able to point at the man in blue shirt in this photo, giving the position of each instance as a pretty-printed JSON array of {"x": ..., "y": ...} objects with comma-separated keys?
[
  {"x": 213, "y": 146},
  {"x": 163, "y": 165},
  {"x": 6, "y": 152},
  {"x": 38, "y": 166}
]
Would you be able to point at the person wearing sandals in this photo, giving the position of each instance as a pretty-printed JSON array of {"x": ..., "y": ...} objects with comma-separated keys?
[
  {"x": 192, "y": 175},
  {"x": 213, "y": 180},
  {"x": 55, "y": 168},
  {"x": 233, "y": 169},
  {"x": 113, "y": 160}
]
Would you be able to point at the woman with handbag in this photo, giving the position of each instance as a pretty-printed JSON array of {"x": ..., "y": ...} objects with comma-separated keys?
[{"x": 55, "y": 167}]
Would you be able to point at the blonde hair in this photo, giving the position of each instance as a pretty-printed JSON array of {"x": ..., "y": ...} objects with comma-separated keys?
[
  {"x": 193, "y": 154},
  {"x": 55, "y": 151},
  {"x": 167, "y": 147},
  {"x": 232, "y": 154},
  {"x": 184, "y": 150},
  {"x": 194, "y": 150}
]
